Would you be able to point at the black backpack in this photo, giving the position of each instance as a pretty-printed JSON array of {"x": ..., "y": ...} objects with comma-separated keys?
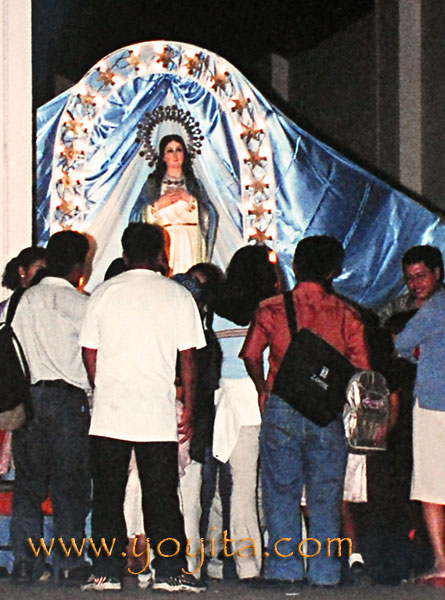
[{"x": 15, "y": 392}]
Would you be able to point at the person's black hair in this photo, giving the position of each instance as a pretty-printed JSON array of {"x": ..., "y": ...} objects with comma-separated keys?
[
  {"x": 212, "y": 274},
  {"x": 142, "y": 243},
  {"x": 65, "y": 250},
  {"x": 430, "y": 255},
  {"x": 250, "y": 278},
  {"x": 25, "y": 258},
  {"x": 318, "y": 258},
  {"x": 116, "y": 267},
  {"x": 161, "y": 167},
  {"x": 211, "y": 278}
]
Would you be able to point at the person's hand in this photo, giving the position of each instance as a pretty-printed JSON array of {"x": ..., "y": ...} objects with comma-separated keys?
[
  {"x": 381, "y": 434},
  {"x": 185, "y": 425},
  {"x": 181, "y": 194},
  {"x": 175, "y": 195},
  {"x": 262, "y": 397},
  {"x": 170, "y": 197}
]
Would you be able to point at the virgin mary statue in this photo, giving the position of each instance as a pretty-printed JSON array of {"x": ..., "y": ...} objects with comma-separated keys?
[{"x": 175, "y": 199}]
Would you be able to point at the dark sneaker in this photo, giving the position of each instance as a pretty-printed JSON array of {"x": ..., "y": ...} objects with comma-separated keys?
[
  {"x": 179, "y": 583},
  {"x": 75, "y": 574},
  {"x": 22, "y": 572},
  {"x": 101, "y": 584},
  {"x": 47, "y": 574}
]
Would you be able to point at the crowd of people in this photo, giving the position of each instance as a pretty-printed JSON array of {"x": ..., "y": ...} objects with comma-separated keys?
[{"x": 169, "y": 382}]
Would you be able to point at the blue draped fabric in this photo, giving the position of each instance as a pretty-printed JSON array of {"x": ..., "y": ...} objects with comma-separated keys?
[
  {"x": 318, "y": 191},
  {"x": 47, "y": 122}
]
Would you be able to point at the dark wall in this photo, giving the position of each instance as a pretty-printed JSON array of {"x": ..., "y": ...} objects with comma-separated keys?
[
  {"x": 333, "y": 89},
  {"x": 70, "y": 36},
  {"x": 387, "y": 94},
  {"x": 346, "y": 91},
  {"x": 433, "y": 102}
]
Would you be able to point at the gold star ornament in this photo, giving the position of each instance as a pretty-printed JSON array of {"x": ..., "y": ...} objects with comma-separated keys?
[
  {"x": 74, "y": 125},
  {"x": 165, "y": 57},
  {"x": 254, "y": 159},
  {"x": 240, "y": 104},
  {"x": 106, "y": 76},
  {"x": 251, "y": 133},
  {"x": 194, "y": 63},
  {"x": 258, "y": 210},
  {"x": 87, "y": 99},
  {"x": 220, "y": 80},
  {"x": 133, "y": 61},
  {"x": 260, "y": 236},
  {"x": 71, "y": 154},
  {"x": 67, "y": 183},
  {"x": 258, "y": 185}
]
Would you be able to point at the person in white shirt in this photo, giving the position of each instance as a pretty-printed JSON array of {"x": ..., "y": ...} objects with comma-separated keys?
[
  {"x": 252, "y": 276},
  {"x": 51, "y": 450},
  {"x": 134, "y": 326}
]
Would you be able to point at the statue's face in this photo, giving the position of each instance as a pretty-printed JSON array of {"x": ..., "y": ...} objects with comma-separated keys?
[{"x": 173, "y": 155}]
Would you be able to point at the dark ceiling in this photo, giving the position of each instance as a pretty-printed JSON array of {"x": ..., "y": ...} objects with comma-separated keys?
[{"x": 71, "y": 36}]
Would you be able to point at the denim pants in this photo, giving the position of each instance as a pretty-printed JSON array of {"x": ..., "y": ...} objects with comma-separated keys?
[
  {"x": 216, "y": 479},
  {"x": 51, "y": 456},
  {"x": 296, "y": 452}
]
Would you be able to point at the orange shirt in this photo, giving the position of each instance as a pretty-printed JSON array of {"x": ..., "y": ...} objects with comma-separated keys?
[{"x": 325, "y": 314}]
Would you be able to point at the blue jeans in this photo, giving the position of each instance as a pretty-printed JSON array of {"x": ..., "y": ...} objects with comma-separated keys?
[
  {"x": 51, "y": 456},
  {"x": 210, "y": 469},
  {"x": 296, "y": 452}
]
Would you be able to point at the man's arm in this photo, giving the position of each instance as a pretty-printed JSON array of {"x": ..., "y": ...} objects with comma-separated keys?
[
  {"x": 89, "y": 357},
  {"x": 417, "y": 330},
  {"x": 187, "y": 372},
  {"x": 255, "y": 369},
  {"x": 252, "y": 355},
  {"x": 356, "y": 347}
]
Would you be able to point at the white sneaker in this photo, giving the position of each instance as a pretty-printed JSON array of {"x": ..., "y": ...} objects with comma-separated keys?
[
  {"x": 215, "y": 568},
  {"x": 179, "y": 583},
  {"x": 145, "y": 580},
  {"x": 101, "y": 584}
]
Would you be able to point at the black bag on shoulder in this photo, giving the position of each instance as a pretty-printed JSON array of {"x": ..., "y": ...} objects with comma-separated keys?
[
  {"x": 15, "y": 393},
  {"x": 313, "y": 375}
]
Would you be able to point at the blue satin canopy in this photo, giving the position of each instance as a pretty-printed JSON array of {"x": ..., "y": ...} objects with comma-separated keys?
[{"x": 268, "y": 179}]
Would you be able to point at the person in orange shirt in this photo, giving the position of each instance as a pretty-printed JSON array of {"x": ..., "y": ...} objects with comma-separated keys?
[{"x": 294, "y": 451}]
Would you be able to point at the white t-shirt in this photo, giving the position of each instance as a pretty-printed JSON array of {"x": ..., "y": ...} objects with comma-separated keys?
[
  {"x": 47, "y": 323},
  {"x": 137, "y": 322}
]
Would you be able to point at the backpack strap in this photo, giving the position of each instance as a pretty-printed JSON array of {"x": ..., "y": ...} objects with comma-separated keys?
[
  {"x": 13, "y": 303},
  {"x": 12, "y": 307},
  {"x": 290, "y": 312}
]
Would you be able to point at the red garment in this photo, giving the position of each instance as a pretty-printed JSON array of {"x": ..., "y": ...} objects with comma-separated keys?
[
  {"x": 325, "y": 314},
  {"x": 6, "y": 505}
]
